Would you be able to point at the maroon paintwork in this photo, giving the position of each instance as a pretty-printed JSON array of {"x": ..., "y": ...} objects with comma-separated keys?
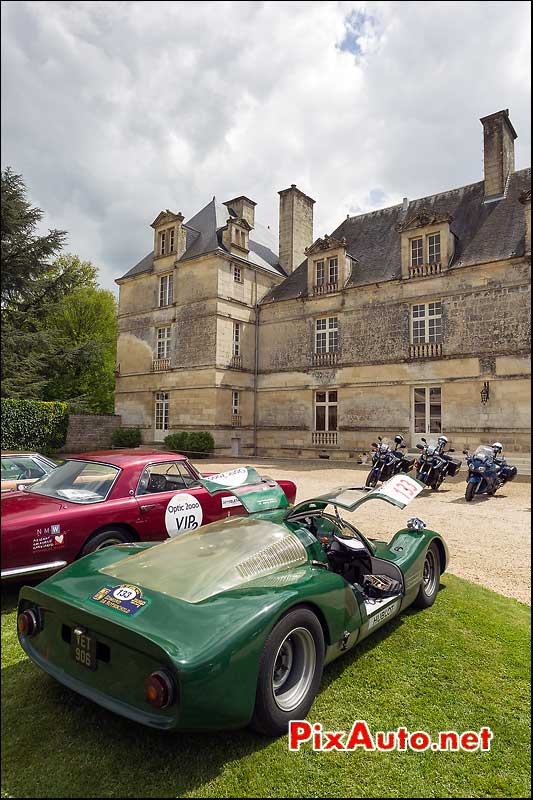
[{"x": 41, "y": 534}]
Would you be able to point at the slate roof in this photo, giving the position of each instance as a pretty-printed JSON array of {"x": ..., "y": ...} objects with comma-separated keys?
[
  {"x": 483, "y": 233},
  {"x": 204, "y": 235}
]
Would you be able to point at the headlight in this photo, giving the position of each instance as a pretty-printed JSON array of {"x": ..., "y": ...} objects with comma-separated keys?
[
  {"x": 470, "y": 467},
  {"x": 481, "y": 469}
]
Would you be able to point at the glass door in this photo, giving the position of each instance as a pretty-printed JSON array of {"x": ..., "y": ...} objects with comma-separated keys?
[
  {"x": 426, "y": 414},
  {"x": 161, "y": 416}
]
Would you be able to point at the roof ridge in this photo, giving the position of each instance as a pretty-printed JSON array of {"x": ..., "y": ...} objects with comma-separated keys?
[{"x": 429, "y": 196}]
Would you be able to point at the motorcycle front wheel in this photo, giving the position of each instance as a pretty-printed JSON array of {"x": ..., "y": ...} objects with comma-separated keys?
[
  {"x": 470, "y": 490},
  {"x": 372, "y": 478}
]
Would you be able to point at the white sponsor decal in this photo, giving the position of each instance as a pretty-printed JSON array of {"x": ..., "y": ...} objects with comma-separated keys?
[
  {"x": 124, "y": 593},
  {"x": 229, "y": 502},
  {"x": 400, "y": 488},
  {"x": 184, "y": 513},
  {"x": 234, "y": 477},
  {"x": 54, "y": 529},
  {"x": 382, "y": 615}
]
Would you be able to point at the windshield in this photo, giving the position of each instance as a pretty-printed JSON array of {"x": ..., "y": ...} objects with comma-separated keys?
[
  {"x": 213, "y": 559},
  {"x": 484, "y": 453},
  {"x": 78, "y": 482}
]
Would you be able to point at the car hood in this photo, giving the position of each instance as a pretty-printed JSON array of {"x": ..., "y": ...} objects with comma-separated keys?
[{"x": 17, "y": 507}]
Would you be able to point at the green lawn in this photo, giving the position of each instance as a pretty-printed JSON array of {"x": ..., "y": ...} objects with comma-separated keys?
[{"x": 461, "y": 665}]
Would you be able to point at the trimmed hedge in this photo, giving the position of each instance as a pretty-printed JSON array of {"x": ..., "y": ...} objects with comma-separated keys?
[
  {"x": 33, "y": 425},
  {"x": 126, "y": 437},
  {"x": 196, "y": 443}
]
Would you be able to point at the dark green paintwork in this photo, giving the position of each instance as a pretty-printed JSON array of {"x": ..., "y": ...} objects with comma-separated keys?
[{"x": 212, "y": 647}]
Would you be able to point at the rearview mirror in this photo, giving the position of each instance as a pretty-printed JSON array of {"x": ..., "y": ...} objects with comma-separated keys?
[
  {"x": 420, "y": 446},
  {"x": 465, "y": 452},
  {"x": 380, "y": 439},
  {"x": 423, "y": 440},
  {"x": 374, "y": 444}
]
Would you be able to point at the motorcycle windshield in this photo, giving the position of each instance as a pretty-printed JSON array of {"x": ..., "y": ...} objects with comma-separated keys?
[{"x": 484, "y": 453}]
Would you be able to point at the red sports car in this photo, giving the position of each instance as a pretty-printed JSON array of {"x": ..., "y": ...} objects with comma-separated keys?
[{"x": 99, "y": 499}]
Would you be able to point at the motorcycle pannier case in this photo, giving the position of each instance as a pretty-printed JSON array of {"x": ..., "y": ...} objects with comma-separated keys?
[{"x": 453, "y": 466}]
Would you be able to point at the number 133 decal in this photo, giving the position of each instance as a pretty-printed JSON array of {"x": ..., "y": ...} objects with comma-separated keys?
[{"x": 401, "y": 489}]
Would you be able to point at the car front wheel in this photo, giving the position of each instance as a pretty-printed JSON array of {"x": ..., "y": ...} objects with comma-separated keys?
[
  {"x": 289, "y": 673},
  {"x": 105, "y": 538}
]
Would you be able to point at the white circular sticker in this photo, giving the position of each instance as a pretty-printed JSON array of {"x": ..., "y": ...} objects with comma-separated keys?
[
  {"x": 124, "y": 593},
  {"x": 184, "y": 513}
]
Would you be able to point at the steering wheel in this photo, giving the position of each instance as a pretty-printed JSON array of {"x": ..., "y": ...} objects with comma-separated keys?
[{"x": 156, "y": 483}]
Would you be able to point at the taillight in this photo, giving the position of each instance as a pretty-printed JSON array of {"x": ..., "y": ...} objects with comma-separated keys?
[
  {"x": 159, "y": 690},
  {"x": 28, "y": 623}
]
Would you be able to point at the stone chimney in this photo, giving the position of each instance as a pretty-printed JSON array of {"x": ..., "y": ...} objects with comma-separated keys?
[
  {"x": 244, "y": 208},
  {"x": 498, "y": 153},
  {"x": 295, "y": 227}
]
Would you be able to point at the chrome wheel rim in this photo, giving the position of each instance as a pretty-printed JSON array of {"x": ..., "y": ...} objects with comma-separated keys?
[
  {"x": 293, "y": 669},
  {"x": 109, "y": 543},
  {"x": 430, "y": 574}
]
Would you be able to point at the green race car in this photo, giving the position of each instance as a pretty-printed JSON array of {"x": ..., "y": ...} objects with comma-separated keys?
[{"x": 231, "y": 624}]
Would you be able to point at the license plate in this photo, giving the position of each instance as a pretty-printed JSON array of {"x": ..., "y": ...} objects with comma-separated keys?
[{"x": 83, "y": 648}]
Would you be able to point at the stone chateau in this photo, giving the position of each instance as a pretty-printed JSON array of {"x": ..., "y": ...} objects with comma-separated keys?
[{"x": 412, "y": 319}]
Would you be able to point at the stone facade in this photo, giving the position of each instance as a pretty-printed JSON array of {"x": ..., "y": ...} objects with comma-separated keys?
[{"x": 394, "y": 323}]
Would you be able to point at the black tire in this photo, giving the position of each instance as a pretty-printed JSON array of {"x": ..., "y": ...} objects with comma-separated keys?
[
  {"x": 105, "y": 538},
  {"x": 430, "y": 580},
  {"x": 470, "y": 490},
  {"x": 371, "y": 478},
  {"x": 297, "y": 639}
]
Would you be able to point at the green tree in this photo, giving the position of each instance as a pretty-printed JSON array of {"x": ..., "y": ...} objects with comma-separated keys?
[
  {"x": 58, "y": 327},
  {"x": 85, "y": 327}
]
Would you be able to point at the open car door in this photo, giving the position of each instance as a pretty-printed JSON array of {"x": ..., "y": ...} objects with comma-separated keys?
[
  {"x": 398, "y": 491},
  {"x": 256, "y": 493}
]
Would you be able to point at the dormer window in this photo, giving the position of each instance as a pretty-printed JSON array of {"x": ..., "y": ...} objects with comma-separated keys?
[
  {"x": 434, "y": 248},
  {"x": 417, "y": 252},
  {"x": 171, "y": 235},
  {"x": 162, "y": 243},
  {"x": 320, "y": 273}
]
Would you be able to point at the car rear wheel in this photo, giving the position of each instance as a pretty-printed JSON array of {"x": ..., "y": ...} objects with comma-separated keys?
[
  {"x": 105, "y": 538},
  {"x": 430, "y": 578},
  {"x": 289, "y": 673}
]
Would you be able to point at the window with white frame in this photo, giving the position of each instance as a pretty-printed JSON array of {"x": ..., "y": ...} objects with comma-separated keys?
[
  {"x": 434, "y": 248},
  {"x": 237, "y": 274},
  {"x": 171, "y": 235},
  {"x": 426, "y": 322},
  {"x": 166, "y": 290},
  {"x": 417, "y": 252},
  {"x": 235, "y": 404},
  {"x": 162, "y": 243},
  {"x": 333, "y": 270},
  {"x": 161, "y": 411},
  {"x": 320, "y": 272},
  {"x": 237, "y": 331},
  {"x": 326, "y": 411},
  {"x": 163, "y": 342},
  {"x": 327, "y": 335}
]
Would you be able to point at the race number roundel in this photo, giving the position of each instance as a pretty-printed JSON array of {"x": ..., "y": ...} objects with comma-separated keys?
[{"x": 184, "y": 513}]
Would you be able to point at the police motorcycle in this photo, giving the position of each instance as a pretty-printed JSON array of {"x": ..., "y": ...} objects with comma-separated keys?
[
  {"x": 434, "y": 463},
  {"x": 487, "y": 470},
  {"x": 387, "y": 461}
]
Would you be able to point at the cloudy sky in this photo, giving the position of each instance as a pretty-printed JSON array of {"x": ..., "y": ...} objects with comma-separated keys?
[{"x": 113, "y": 111}]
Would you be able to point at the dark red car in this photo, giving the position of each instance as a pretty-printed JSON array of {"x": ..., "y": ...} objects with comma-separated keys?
[{"x": 99, "y": 499}]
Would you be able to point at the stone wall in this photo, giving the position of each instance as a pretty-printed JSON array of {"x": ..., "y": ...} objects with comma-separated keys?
[{"x": 90, "y": 432}]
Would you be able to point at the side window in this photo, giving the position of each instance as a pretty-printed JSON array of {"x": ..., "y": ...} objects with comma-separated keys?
[
  {"x": 169, "y": 476},
  {"x": 21, "y": 469}
]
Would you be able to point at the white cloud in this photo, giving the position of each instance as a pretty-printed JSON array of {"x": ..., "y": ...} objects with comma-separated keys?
[{"x": 115, "y": 110}]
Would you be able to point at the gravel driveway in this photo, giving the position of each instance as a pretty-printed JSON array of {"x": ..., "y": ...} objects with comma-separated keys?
[{"x": 489, "y": 539}]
